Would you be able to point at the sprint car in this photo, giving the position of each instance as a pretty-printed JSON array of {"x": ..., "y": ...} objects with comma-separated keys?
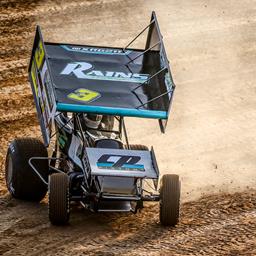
[{"x": 82, "y": 94}]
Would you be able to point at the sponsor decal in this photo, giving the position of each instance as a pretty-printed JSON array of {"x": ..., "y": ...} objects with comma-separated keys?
[
  {"x": 120, "y": 162},
  {"x": 62, "y": 139},
  {"x": 168, "y": 84},
  {"x": 39, "y": 55},
  {"x": 167, "y": 77},
  {"x": 33, "y": 76},
  {"x": 84, "y": 95},
  {"x": 85, "y": 70},
  {"x": 95, "y": 50}
]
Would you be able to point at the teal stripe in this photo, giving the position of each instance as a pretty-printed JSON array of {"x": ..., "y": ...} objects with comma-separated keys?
[
  {"x": 104, "y": 164},
  {"x": 111, "y": 111},
  {"x": 129, "y": 166},
  {"x": 133, "y": 166}
]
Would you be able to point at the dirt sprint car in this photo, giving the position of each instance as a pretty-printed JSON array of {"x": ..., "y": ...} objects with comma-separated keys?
[{"x": 82, "y": 94}]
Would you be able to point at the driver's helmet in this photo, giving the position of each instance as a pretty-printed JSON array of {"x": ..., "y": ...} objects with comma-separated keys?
[{"x": 92, "y": 121}]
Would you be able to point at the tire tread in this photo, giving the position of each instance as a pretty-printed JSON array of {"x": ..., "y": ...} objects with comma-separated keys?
[
  {"x": 170, "y": 200},
  {"x": 138, "y": 147},
  {"x": 59, "y": 198},
  {"x": 27, "y": 185}
]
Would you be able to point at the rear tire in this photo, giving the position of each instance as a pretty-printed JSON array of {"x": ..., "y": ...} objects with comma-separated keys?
[
  {"x": 138, "y": 147},
  {"x": 59, "y": 199},
  {"x": 169, "y": 200},
  {"x": 21, "y": 180}
]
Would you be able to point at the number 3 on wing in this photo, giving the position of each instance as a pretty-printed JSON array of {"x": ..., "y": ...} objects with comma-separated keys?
[{"x": 83, "y": 95}]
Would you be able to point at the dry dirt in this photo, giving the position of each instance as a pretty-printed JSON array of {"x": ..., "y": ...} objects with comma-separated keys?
[{"x": 210, "y": 141}]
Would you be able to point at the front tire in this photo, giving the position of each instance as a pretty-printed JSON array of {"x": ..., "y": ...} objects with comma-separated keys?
[
  {"x": 169, "y": 200},
  {"x": 21, "y": 180},
  {"x": 59, "y": 199}
]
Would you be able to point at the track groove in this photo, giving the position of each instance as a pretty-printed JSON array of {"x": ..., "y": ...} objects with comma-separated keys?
[
  {"x": 200, "y": 231},
  {"x": 211, "y": 56}
]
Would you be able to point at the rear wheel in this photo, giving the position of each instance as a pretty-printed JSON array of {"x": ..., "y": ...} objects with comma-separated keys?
[
  {"x": 59, "y": 198},
  {"x": 170, "y": 200},
  {"x": 21, "y": 180},
  {"x": 138, "y": 147}
]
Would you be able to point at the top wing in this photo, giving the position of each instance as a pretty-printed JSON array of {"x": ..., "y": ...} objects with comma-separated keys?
[
  {"x": 102, "y": 80},
  {"x": 90, "y": 79}
]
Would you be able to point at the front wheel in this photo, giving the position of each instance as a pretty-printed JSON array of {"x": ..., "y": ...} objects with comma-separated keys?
[
  {"x": 59, "y": 198},
  {"x": 170, "y": 200}
]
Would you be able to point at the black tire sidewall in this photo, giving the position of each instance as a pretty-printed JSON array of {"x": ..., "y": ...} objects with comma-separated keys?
[
  {"x": 138, "y": 147},
  {"x": 59, "y": 201},
  {"x": 169, "y": 200},
  {"x": 25, "y": 184}
]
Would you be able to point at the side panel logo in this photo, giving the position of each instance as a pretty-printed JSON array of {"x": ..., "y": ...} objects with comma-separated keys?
[
  {"x": 120, "y": 162},
  {"x": 84, "y": 95},
  {"x": 84, "y": 70}
]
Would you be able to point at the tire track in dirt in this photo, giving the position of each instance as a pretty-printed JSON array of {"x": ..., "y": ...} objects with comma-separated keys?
[
  {"x": 215, "y": 225},
  {"x": 208, "y": 226},
  {"x": 14, "y": 81},
  {"x": 11, "y": 102},
  {"x": 12, "y": 70}
]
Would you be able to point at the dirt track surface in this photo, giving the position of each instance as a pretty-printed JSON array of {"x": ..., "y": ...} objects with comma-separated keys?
[
  {"x": 214, "y": 225},
  {"x": 210, "y": 140}
]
